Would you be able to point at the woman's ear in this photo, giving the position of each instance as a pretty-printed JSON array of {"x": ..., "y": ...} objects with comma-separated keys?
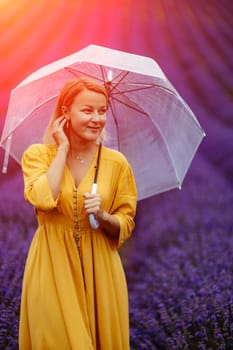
[{"x": 65, "y": 110}]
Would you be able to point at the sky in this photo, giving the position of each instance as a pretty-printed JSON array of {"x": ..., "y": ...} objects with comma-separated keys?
[{"x": 191, "y": 41}]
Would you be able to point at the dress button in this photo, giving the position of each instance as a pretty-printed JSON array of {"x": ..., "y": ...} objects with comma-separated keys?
[
  {"x": 76, "y": 221},
  {"x": 76, "y": 237}
]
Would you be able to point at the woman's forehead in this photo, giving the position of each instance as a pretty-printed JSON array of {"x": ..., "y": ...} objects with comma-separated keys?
[{"x": 89, "y": 97}]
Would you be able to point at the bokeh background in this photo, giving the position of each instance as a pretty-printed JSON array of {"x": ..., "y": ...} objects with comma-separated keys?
[{"x": 179, "y": 261}]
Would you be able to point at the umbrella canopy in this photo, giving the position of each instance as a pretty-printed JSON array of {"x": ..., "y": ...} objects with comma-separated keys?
[{"x": 148, "y": 120}]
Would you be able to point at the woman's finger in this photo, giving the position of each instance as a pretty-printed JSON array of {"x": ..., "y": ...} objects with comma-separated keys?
[{"x": 92, "y": 202}]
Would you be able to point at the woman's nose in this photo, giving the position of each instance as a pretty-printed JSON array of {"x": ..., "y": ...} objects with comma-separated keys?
[{"x": 95, "y": 116}]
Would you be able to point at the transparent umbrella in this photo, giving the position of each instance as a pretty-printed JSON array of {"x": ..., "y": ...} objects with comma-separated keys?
[{"x": 148, "y": 121}]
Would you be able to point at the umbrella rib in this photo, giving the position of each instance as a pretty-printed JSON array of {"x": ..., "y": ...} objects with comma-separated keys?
[
  {"x": 102, "y": 72},
  {"x": 122, "y": 78},
  {"x": 160, "y": 131},
  {"x": 157, "y": 127},
  {"x": 132, "y": 107},
  {"x": 144, "y": 88},
  {"x": 174, "y": 93},
  {"x": 114, "y": 87},
  {"x": 168, "y": 150},
  {"x": 116, "y": 123},
  {"x": 110, "y": 84},
  {"x": 103, "y": 78},
  {"x": 132, "y": 90},
  {"x": 74, "y": 71},
  {"x": 27, "y": 116}
]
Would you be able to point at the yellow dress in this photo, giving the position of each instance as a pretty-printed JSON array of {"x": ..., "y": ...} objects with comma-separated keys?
[{"x": 74, "y": 293}]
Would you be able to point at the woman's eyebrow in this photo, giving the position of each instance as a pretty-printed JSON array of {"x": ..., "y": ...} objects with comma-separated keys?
[{"x": 92, "y": 106}]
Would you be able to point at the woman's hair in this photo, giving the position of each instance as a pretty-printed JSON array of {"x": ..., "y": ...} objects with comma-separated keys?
[{"x": 66, "y": 98}]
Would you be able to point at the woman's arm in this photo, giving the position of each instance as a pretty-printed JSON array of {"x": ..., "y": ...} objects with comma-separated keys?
[
  {"x": 42, "y": 179},
  {"x": 108, "y": 222},
  {"x": 119, "y": 222},
  {"x": 35, "y": 163},
  {"x": 56, "y": 168}
]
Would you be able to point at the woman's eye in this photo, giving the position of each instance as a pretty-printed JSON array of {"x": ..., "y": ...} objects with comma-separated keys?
[
  {"x": 102, "y": 111},
  {"x": 86, "y": 111}
]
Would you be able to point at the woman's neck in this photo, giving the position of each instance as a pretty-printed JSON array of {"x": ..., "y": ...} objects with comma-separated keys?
[{"x": 83, "y": 148}]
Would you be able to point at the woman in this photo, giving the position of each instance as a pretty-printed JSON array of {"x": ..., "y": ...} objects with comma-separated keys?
[{"x": 74, "y": 289}]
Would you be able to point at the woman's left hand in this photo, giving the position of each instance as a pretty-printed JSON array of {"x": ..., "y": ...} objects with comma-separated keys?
[{"x": 93, "y": 204}]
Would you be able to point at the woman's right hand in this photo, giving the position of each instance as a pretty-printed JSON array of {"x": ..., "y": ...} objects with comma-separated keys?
[{"x": 58, "y": 132}]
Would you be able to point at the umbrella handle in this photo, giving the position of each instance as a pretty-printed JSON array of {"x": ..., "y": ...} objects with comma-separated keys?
[{"x": 94, "y": 223}]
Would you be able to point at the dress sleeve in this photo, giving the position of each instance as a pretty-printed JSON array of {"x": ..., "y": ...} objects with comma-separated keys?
[
  {"x": 124, "y": 208},
  {"x": 37, "y": 191}
]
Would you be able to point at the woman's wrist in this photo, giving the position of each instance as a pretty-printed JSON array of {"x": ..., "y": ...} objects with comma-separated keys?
[
  {"x": 63, "y": 148},
  {"x": 109, "y": 223},
  {"x": 102, "y": 215}
]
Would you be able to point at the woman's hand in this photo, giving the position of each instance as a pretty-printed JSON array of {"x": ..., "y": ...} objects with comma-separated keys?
[
  {"x": 93, "y": 205},
  {"x": 108, "y": 222},
  {"x": 58, "y": 131}
]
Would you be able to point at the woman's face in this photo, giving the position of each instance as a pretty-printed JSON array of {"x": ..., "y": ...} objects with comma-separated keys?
[{"x": 87, "y": 116}]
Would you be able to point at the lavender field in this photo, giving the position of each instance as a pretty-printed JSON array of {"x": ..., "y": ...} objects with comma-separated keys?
[{"x": 179, "y": 261}]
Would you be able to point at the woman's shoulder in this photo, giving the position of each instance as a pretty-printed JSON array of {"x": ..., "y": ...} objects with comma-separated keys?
[
  {"x": 39, "y": 149},
  {"x": 114, "y": 155}
]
